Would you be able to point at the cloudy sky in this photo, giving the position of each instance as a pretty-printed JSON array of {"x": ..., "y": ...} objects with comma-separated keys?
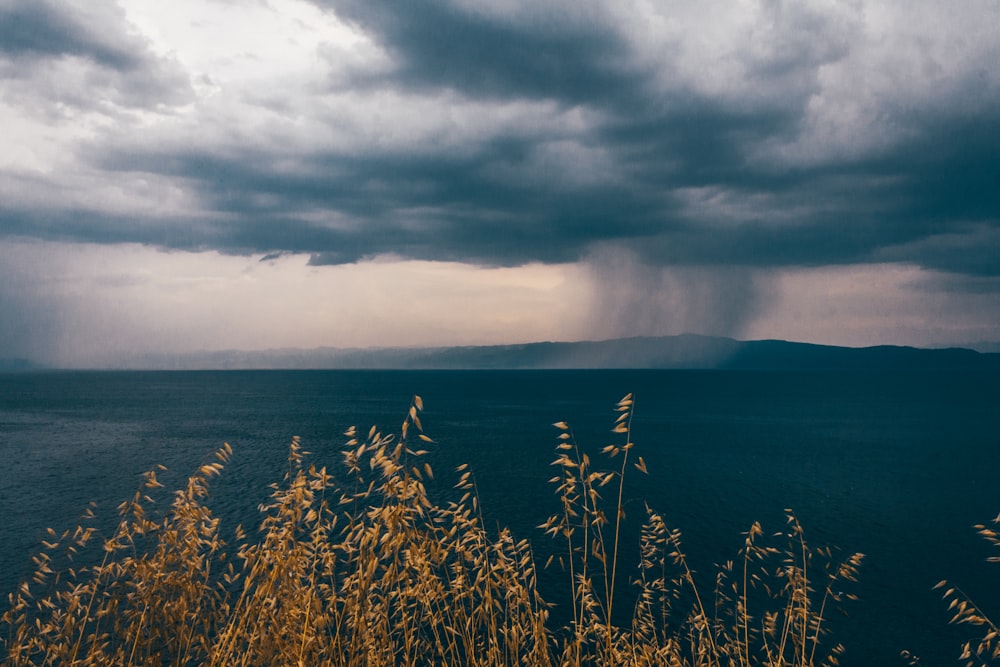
[{"x": 249, "y": 174}]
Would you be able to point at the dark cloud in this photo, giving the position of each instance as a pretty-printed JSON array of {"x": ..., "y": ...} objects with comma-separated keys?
[
  {"x": 565, "y": 53},
  {"x": 911, "y": 202},
  {"x": 343, "y": 208},
  {"x": 41, "y": 39},
  {"x": 951, "y": 171},
  {"x": 47, "y": 28},
  {"x": 972, "y": 249},
  {"x": 673, "y": 165}
]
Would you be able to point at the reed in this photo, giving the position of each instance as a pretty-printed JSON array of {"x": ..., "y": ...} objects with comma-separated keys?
[{"x": 357, "y": 565}]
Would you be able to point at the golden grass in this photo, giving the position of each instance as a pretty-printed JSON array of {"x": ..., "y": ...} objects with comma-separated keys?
[
  {"x": 361, "y": 567},
  {"x": 984, "y": 649}
]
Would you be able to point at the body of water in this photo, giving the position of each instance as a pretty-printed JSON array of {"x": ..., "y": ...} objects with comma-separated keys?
[{"x": 895, "y": 465}]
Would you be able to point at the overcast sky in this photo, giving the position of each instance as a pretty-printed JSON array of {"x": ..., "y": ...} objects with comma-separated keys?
[{"x": 247, "y": 174}]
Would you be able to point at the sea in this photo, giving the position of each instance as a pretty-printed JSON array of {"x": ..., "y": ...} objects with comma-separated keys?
[{"x": 897, "y": 465}]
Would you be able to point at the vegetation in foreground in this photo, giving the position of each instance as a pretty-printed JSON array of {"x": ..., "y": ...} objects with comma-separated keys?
[
  {"x": 985, "y": 648},
  {"x": 361, "y": 567}
]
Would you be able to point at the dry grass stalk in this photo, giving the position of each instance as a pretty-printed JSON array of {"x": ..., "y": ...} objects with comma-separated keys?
[
  {"x": 359, "y": 566},
  {"x": 985, "y": 648},
  {"x": 774, "y": 613}
]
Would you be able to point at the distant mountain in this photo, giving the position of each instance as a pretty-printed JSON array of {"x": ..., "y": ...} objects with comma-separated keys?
[
  {"x": 785, "y": 355},
  {"x": 686, "y": 351},
  {"x": 980, "y": 346}
]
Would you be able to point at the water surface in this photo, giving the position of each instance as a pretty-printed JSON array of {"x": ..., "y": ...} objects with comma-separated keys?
[{"x": 895, "y": 465}]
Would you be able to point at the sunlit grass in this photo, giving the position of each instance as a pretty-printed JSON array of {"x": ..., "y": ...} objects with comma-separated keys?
[{"x": 356, "y": 564}]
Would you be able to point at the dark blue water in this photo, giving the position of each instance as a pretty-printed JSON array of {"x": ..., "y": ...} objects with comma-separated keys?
[{"x": 897, "y": 466}]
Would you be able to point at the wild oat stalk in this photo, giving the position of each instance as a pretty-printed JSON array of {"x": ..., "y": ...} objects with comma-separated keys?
[
  {"x": 356, "y": 565},
  {"x": 583, "y": 510},
  {"x": 774, "y": 614},
  {"x": 985, "y": 649}
]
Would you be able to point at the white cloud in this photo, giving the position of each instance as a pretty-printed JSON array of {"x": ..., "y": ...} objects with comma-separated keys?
[
  {"x": 906, "y": 61},
  {"x": 242, "y": 45}
]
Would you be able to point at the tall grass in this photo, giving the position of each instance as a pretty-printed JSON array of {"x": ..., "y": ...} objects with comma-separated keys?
[
  {"x": 357, "y": 565},
  {"x": 984, "y": 649}
]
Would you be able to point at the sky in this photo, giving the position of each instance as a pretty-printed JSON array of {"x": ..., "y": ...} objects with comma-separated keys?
[{"x": 258, "y": 174}]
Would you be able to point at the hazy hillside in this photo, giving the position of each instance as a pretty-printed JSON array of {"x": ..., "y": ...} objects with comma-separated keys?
[{"x": 687, "y": 351}]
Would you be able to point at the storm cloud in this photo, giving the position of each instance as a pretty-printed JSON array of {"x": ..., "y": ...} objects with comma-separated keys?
[
  {"x": 59, "y": 57},
  {"x": 632, "y": 127},
  {"x": 707, "y": 142}
]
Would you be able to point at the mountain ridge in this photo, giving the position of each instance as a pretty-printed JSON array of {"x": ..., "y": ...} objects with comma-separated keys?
[{"x": 686, "y": 351}]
